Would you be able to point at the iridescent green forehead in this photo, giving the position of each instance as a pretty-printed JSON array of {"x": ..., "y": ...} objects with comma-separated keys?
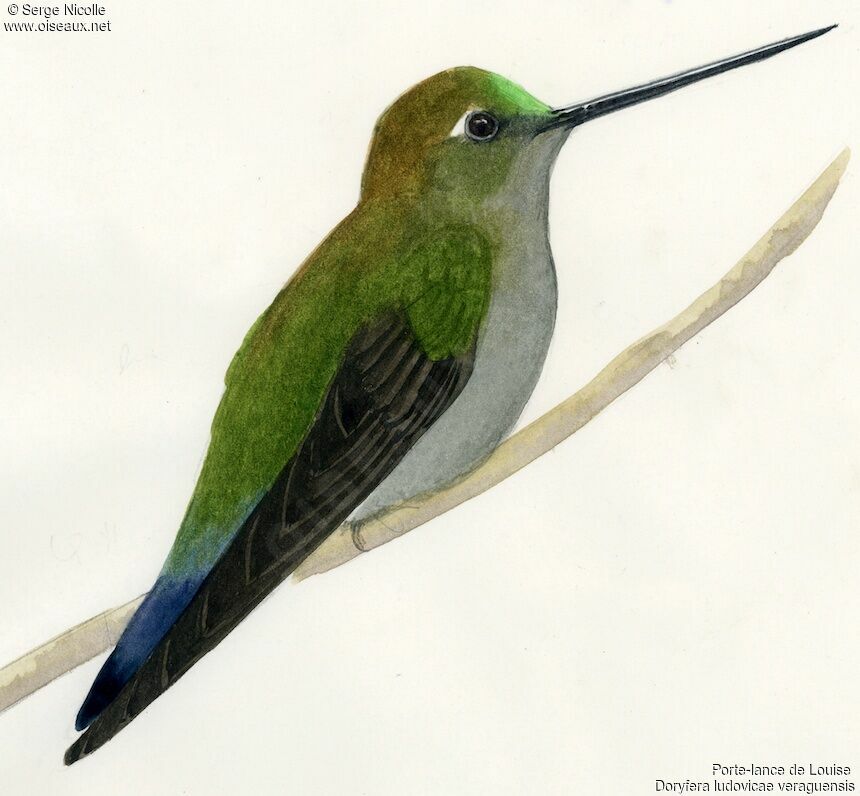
[
  {"x": 509, "y": 98},
  {"x": 410, "y": 129},
  {"x": 444, "y": 97}
]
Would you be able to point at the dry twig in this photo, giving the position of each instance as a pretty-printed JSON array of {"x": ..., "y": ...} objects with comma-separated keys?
[{"x": 63, "y": 653}]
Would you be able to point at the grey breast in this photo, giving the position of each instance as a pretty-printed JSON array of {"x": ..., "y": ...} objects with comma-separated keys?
[{"x": 511, "y": 348}]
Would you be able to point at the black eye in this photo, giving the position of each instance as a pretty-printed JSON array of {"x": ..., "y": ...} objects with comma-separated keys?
[{"x": 481, "y": 126}]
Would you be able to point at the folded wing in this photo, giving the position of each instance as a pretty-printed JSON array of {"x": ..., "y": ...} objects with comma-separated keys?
[{"x": 386, "y": 393}]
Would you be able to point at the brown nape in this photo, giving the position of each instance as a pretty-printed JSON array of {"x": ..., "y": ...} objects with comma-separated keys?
[{"x": 415, "y": 121}]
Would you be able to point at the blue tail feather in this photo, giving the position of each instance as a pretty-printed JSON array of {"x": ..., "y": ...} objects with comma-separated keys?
[{"x": 157, "y": 613}]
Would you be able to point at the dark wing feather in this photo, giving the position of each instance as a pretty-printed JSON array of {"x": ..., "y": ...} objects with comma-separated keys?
[{"x": 386, "y": 394}]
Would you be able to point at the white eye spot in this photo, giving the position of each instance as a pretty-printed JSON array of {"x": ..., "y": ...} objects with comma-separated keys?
[{"x": 459, "y": 129}]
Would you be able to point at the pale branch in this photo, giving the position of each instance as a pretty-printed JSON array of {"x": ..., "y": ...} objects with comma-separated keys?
[
  {"x": 76, "y": 646},
  {"x": 628, "y": 368},
  {"x": 63, "y": 653}
]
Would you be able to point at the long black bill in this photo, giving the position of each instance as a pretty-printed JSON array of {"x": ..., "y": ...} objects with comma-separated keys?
[{"x": 574, "y": 115}]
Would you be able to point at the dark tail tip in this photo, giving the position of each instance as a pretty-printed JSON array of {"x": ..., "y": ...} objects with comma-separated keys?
[
  {"x": 76, "y": 751},
  {"x": 102, "y": 692},
  {"x": 89, "y": 711}
]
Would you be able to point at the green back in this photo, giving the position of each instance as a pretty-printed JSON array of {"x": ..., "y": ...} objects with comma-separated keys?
[
  {"x": 277, "y": 380},
  {"x": 413, "y": 243}
]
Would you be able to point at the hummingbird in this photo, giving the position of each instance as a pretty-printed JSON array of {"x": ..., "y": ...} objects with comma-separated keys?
[{"x": 392, "y": 363}]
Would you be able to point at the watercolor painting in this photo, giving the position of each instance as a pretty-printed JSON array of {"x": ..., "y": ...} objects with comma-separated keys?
[{"x": 382, "y": 385}]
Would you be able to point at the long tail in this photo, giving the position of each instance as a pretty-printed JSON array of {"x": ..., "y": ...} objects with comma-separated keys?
[
  {"x": 255, "y": 563},
  {"x": 378, "y": 405}
]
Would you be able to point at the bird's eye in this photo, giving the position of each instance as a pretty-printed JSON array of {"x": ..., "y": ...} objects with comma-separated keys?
[{"x": 481, "y": 126}]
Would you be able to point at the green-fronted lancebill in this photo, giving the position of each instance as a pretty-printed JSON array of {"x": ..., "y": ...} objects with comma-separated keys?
[{"x": 394, "y": 361}]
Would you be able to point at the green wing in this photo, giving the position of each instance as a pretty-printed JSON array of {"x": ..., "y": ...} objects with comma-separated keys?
[
  {"x": 280, "y": 374},
  {"x": 395, "y": 377}
]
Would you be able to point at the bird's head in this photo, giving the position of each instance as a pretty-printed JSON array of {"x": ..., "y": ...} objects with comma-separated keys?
[
  {"x": 464, "y": 131},
  {"x": 458, "y": 130}
]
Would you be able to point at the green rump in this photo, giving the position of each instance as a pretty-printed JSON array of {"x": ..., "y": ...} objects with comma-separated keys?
[{"x": 412, "y": 244}]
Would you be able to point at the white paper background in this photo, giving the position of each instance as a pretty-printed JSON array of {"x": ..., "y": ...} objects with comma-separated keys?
[{"x": 674, "y": 586}]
